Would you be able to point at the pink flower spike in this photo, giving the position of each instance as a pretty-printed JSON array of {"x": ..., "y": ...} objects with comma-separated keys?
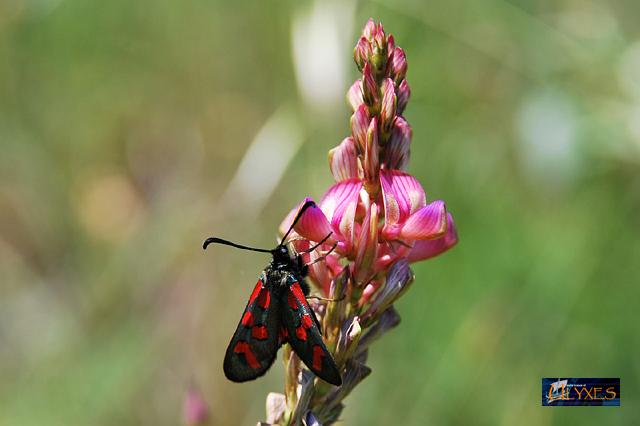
[
  {"x": 403, "y": 93},
  {"x": 427, "y": 223},
  {"x": 359, "y": 125},
  {"x": 354, "y": 95},
  {"x": 313, "y": 225},
  {"x": 388, "y": 105},
  {"x": 402, "y": 195},
  {"x": 426, "y": 249},
  {"x": 339, "y": 206},
  {"x": 397, "y": 151},
  {"x": 343, "y": 160},
  {"x": 369, "y": 86}
]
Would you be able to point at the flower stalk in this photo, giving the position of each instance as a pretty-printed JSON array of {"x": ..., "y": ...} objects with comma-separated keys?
[{"x": 379, "y": 221}]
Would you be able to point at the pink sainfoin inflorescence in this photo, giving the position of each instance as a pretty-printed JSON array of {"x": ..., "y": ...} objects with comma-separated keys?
[
  {"x": 379, "y": 219},
  {"x": 376, "y": 211}
]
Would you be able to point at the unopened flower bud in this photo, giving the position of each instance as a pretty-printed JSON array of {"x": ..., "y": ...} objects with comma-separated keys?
[
  {"x": 369, "y": 29},
  {"x": 391, "y": 45},
  {"x": 388, "y": 105},
  {"x": 369, "y": 86},
  {"x": 354, "y": 95},
  {"x": 359, "y": 125},
  {"x": 367, "y": 246},
  {"x": 398, "y": 65},
  {"x": 371, "y": 160},
  {"x": 380, "y": 40},
  {"x": 402, "y": 94},
  {"x": 362, "y": 52},
  {"x": 396, "y": 155},
  {"x": 343, "y": 160}
]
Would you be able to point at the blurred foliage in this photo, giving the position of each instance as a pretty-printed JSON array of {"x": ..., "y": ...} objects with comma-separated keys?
[{"x": 123, "y": 123}]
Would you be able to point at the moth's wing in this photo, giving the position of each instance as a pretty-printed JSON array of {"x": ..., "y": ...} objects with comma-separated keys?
[
  {"x": 303, "y": 334},
  {"x": 255, "y": 343}
]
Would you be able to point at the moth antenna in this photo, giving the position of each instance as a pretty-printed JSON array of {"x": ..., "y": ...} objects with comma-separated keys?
[
  {"x": 319, "y": 243},
  {"x": 304, "y": 207},
  {"x": 323, "y": 257},
  {"x": 215, "y": 240}
]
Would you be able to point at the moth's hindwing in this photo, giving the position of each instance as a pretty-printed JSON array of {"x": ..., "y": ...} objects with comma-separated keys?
[
  {"x": 255, "y": 343},
  {"x": 304, "y": 335}
]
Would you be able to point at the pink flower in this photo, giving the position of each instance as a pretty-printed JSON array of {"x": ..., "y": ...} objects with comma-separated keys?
[{"x": 407, "y": 216}]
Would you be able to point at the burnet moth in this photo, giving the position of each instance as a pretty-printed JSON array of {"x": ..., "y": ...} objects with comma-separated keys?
[{"x": 277, "y": 313}]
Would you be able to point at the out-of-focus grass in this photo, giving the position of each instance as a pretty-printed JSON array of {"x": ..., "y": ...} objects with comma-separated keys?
[{"x": 122, "y": 125}]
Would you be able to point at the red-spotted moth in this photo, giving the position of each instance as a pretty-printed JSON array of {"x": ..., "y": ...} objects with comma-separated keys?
[{"x": 277, "y": 313}]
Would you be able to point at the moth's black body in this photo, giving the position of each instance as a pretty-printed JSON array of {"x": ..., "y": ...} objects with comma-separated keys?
[{"x": 278, "y": 313}]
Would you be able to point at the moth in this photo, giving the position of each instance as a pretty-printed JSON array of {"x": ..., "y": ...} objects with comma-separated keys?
[{"x": 278, "y": 312}]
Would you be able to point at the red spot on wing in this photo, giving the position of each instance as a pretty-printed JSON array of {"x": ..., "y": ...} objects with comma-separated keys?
[
  {"x": 264, "y": 299},
  {"x": 259, "y": 332},
  {"x": 318, "y": 353},
  {"x": 247, "y": 319},
  {"x": 298, "y": 294},
  {"x": 306, "y": 321},
  {"x": 301, "y": 333},
  {"x": 242, "y": 347},
  {"x": 291, "y": 300},
  {"x": 256, "y": 291}
]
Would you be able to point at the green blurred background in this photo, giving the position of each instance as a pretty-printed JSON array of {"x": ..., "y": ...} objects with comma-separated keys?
[{"x": 130, "y": 131}]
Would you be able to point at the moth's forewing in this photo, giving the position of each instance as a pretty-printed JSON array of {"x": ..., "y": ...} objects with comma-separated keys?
[{"x": 255, "y": 343}]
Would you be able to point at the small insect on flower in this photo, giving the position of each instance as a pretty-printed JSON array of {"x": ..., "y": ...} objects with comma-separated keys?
[{"x": 277, "y": 313}]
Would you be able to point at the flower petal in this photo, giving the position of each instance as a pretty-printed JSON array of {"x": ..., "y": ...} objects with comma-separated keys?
[
  {"x": 359, "y": 125},
  {"x": 426, "y": 249},
  {"x": 427, "y": 223},
  {"x": 354, "y": 95},
  {"x": 343, "y": 160},
  {"x": 313, "y": 224},
  {"x": 339, "y": 206},
  {"x": 402, "y": 196}
]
